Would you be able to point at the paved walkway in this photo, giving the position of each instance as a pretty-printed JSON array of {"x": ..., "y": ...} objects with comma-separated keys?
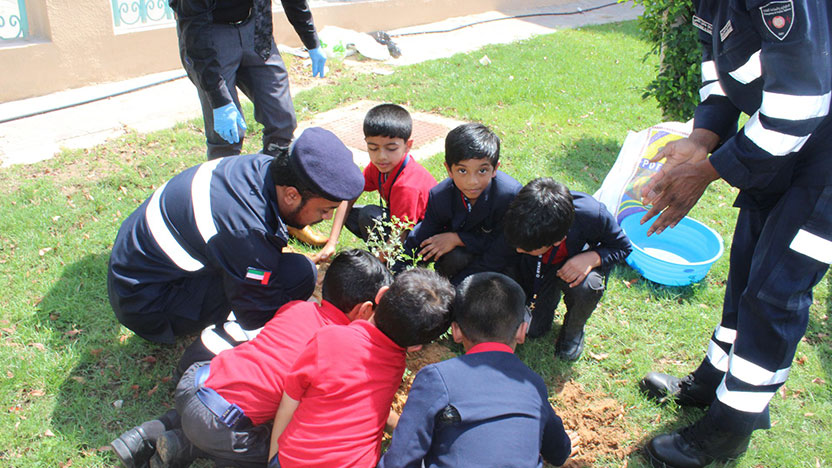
[{"x": 152, "y": 107}]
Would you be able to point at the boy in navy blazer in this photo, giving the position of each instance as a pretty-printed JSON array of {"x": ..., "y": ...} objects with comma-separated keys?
[
  {"x": 570, "y": 242},
  {"x": 485, "y": 408},
  {"x": 463, "y": 226}
]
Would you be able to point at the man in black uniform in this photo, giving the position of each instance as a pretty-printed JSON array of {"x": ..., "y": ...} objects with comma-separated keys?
[
  {"x": 210, "y": 240},
  {"x": 226, "y": 44},
  {"x": 770, "y": 60}
]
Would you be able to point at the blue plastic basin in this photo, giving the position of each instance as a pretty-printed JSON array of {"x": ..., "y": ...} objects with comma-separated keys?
[{"x": 678, "y": 256}]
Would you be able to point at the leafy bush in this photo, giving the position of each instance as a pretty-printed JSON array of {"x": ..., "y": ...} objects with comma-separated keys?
[{"x": 667, "y": 25}]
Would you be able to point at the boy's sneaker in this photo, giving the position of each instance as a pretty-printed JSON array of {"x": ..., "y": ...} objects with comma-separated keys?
[
  {"x": 569, "y": 347},
  {"x": 133, "y": 448},
  {"x": 174, "y": 450},
  {"x": 308, "y": 236}
]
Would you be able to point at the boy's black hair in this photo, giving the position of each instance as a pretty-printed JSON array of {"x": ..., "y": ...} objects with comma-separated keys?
[
  {"x": 472, "y": 141},
  {"x": 284, "y": 175},
  {"x": 540, "y": 215},
  {"x": 354, "y": 277},
  {"x": 489, "y": 306},
  {"x": 388, "y": 120},
  {"x": 416, "y": 308}
]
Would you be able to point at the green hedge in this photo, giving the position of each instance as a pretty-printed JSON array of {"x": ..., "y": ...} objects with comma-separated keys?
[{"x": 667, "y": 25}]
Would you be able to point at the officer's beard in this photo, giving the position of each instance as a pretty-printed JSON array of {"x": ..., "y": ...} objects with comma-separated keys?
[{"x": 291, "y": 219}]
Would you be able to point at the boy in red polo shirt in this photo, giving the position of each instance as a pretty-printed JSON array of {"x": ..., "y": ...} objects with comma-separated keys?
[
  {"x": 401, "y": 182},
  {"x": 338, "y": 394},
  {"x": 227, "y": 405}
]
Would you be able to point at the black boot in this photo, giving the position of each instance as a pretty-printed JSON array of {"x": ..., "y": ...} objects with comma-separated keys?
[
  {"x": 174, "y": 450},
  {"x": 570, "y": 343},
  {"x": 135, "y": 446},
  {"x": 687, "y": 391},
  {"x": 695, "y": 446}
]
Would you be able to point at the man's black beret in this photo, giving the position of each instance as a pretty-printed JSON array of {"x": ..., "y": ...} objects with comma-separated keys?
[{"x": 318, "y": 157}]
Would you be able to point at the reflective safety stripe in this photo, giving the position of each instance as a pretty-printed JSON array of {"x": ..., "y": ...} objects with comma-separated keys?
[
  {"x": 162, "y": 235},
  {"x": 776, "y": 143},
  {"x": 725, "y": 335},
  {"x": 712, "y": 89},
  {"x": 239, "y": 333},
  {"x": 749, "y": 71},
  {"x": 749, "y": 402},
  {"x": 789, "y": 107},
  {"x": 235, "y": 331},
  {"x": 251, "y": 334},
  {"x": 201, "y": 199},
  {"x": 214, "y": 342},
  {"x": 709, "y": 71},
  {"x": 717, "y": 357},
  {"x": 812, "y": 246},
  {"x": 753, "y": 374}
]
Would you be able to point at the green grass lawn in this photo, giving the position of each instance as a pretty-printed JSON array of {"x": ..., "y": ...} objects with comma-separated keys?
[{"x": 73, "y": 378}]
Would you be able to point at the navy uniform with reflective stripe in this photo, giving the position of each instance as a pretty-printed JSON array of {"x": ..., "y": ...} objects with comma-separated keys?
[
  {"x": 187, "y": 256},
  {"x": 771, "y": 61}
]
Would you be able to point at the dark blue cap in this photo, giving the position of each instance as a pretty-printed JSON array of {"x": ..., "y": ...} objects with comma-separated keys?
[{"x": 320, "y": 159}]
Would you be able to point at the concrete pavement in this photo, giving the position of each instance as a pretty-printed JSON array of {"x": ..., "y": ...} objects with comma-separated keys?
[{"x": 31, "y": 131}]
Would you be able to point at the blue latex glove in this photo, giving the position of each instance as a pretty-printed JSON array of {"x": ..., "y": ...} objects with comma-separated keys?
[
  {"x": 227, "y": 119},
  {"x": 318, "y": 61}
]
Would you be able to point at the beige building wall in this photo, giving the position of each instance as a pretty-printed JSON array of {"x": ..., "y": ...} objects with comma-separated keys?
[{"x": 72, "y": 43}]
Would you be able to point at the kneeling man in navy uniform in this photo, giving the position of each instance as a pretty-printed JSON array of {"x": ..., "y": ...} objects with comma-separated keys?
[{"x": 210, "y": 241}]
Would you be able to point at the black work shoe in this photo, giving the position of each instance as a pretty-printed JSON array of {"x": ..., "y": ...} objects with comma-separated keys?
[
  {"x": 686, "y": 391},
  {"x": 133, "y": 448},
  {"x": 695, "y": 446},
  {"x": 569, "y": 348},
  {"x": 174, "y": 450}
]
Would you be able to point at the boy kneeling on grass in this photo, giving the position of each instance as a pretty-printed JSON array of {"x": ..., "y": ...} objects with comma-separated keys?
[
  {"x": 401, "y": 182},
  {"x": 338, "y": 394},
  {"x": 227, "y": 406},
  {"x": 462, "y": 231},
  {"x": 571, "y": 243},
  {"x": 485, "y": 408}
]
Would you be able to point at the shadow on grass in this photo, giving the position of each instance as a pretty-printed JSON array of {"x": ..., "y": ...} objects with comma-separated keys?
[
  {"x": 584, "y": 163},
  {"x": 656, "y": 291},
  {"x": 684, "y": 417},
  {"x": 118, "y": 380}
]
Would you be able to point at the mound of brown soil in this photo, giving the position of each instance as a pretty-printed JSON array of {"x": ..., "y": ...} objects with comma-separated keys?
[
  {"x": 598, "y": 419},
  {"x": 429, "y": 354}
]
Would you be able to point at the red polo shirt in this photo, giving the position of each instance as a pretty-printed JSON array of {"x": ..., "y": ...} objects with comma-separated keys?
[
  {"x": 490, "y": 346},
  {"x": 252, "y": 375},
  {"x": 407, "y": 195},
  {"x": 345, "y": 381}
]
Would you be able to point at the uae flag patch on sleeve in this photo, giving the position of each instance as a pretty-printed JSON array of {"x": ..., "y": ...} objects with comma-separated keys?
[
  {"x": 778, "y": 17},
  {"x": 258, "y": 275}
]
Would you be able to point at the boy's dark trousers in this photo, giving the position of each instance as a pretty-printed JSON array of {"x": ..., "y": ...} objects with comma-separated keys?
[
  {"x": 580, "y": 302},
  {"x": 453, "y": 262},
  {"x": 240, "y": 445},
  {"x": 363, "y": 220}
]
